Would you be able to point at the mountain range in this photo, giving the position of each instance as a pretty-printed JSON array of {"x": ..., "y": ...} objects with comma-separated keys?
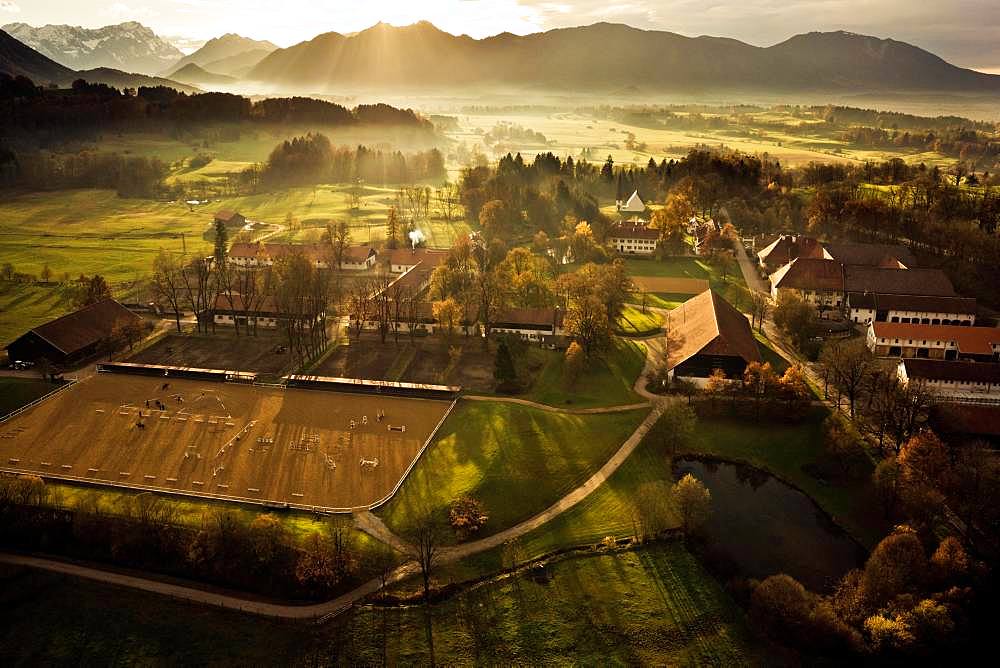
[
  {"x": 231, "y": 55},
  {"x": 127, "y": 46},
  {"x": 18, "y": 59},
  {"x": 602, "y": 59},
  {"x": 605, "y": 57}
]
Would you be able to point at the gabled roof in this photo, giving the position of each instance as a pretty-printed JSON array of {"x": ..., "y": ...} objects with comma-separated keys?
[
  {"x": 969, "y": 340},
  {"x": 920, "y": 303},
  {"x": 965, "y": 372},
  {"x": 633, "y": 231},
  {"x": 226, "y": 215},
  {"x": 80, "y": 329},
  {"x": 634, "y": 204},
  {"x": 806, "y": 273},
  {"x": 967, "y": 419},
  {"x": 708, "y": 324},
  {"x": 787, "y": 247},
  {"x": 872, "y": 255},
  {"x": 236, "y": 304},
  {"x": 928, "y": 282}
]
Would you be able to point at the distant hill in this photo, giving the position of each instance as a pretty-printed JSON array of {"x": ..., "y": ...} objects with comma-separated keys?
[
  {"x": 227, "y": 54},
  {"x": 128, "y": 46},
  {"x": 239, "y": 65},
  {"x": 607, "y": 57},
  {"x": 198, "y": 76},
  {"x": 17, "y": 58}
]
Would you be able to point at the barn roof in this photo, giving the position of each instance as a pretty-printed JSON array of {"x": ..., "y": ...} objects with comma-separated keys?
[
  {"x": 969, "y": 340},
  {"x": 709, "y": 324},
  {"x": 80, "y": 329},
  {"x": 226, "y": 215},
  {"x": 927, "y": 282}
]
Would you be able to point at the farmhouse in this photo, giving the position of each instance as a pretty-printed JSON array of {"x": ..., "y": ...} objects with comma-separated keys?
[
  {"x": 927, "y": 282},
  {"x": 974, "y": 382},
  {"x": 633, "y": 239},
  {"x": 817, "y": 280},
  {"x": 265, "y": 255},
  {"x": 866, "y": 307},
  {"x": 402, "y": 260},
  {"x": 73, "y": 337},
  {"x": 230, "y": 218},
  {"x": 544, "y": 325},
  {"x": 941, "y": 342},
  {"x": 706, "y": 333}
]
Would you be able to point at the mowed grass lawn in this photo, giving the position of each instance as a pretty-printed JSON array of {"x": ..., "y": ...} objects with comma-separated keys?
[
  {"x": 633, "y": 321},
  {"x": 607, "y": 381},
  {"x": 653, "y": 606},
  {"x": 516, "y": 460}
]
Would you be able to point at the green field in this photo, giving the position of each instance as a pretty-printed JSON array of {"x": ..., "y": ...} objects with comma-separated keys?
[
  {"x": 516, "y": 460},
  {"x": 633, "y": 322},
  {"x": 652, "y": 606},
  {"x": 607, "y": 381}
]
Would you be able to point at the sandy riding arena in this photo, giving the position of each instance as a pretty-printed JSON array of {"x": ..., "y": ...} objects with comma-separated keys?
[
  {"x": 670, "y": 285},
  {"x": 324, "y": 449}
]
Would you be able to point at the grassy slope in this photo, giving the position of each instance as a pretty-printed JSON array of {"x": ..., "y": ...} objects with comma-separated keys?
[
  {"x": 607, "y": 382},
  {"x": 516, "y": 460},
  {"x": 653, "y": 606}
]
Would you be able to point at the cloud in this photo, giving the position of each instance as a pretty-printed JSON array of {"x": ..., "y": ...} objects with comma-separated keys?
[{"x": 9, "y": 6}]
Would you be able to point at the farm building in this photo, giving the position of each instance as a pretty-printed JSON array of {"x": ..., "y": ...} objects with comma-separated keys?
[
  {"x": 942, "y": 342},
  {"x": 404, "y": 316},
  {"x": 817, "y": 280},
  {"x": 633, "y": 239},
  {"x": 264, "y": 312},
  {"x": 542, "y": 325},
  {"x": 867, "y": 307},
  {"x": 358, "y": 258},
  {"x": 973, "y": 382},
  {"x": 230, "y": 218},
  {"x": 786, "y": 248},
  {"x": 633, "y": 209},
  {"x": 706, "y": 333},
  {"x": 402, "y": 260},
  {"x": 73, "y": 337}
]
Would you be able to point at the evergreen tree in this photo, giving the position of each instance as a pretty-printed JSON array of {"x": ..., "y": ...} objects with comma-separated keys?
[
  {"x": 220, "y": 242},
  {"x": 504, "y": 371}
]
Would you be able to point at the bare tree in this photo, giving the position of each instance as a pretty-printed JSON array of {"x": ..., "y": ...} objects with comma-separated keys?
[
  {"x": 168, "y": 285},
  {"x": 427, "y": 535}
]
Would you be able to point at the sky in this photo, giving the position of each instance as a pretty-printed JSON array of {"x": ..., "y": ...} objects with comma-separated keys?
[{"x": 965, "y": 32}]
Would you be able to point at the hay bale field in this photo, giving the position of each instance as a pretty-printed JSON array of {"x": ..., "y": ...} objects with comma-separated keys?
[
  {"x": 245, "y": 442},
  {"x": 670, "y": 284}
]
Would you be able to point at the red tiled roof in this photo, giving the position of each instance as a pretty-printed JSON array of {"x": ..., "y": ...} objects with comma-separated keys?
[
  {"x": 786, "y": 248},
  {"x": 871, "y": 255},
  {"x": 358, "y": 254},
  {"x": 920, "y": 303},
  {"x": 225, "y": 304},
  {"x": 970, "y": 340},
  {"x": 226, "y": 215},
  {"x": 77, "y": 330},
  {"x": 707, "y": 323},
  {"x": 537, "y": 317}
]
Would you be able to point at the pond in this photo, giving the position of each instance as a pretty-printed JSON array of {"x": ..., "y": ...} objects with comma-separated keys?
[{"x": 761, "y": 526}]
